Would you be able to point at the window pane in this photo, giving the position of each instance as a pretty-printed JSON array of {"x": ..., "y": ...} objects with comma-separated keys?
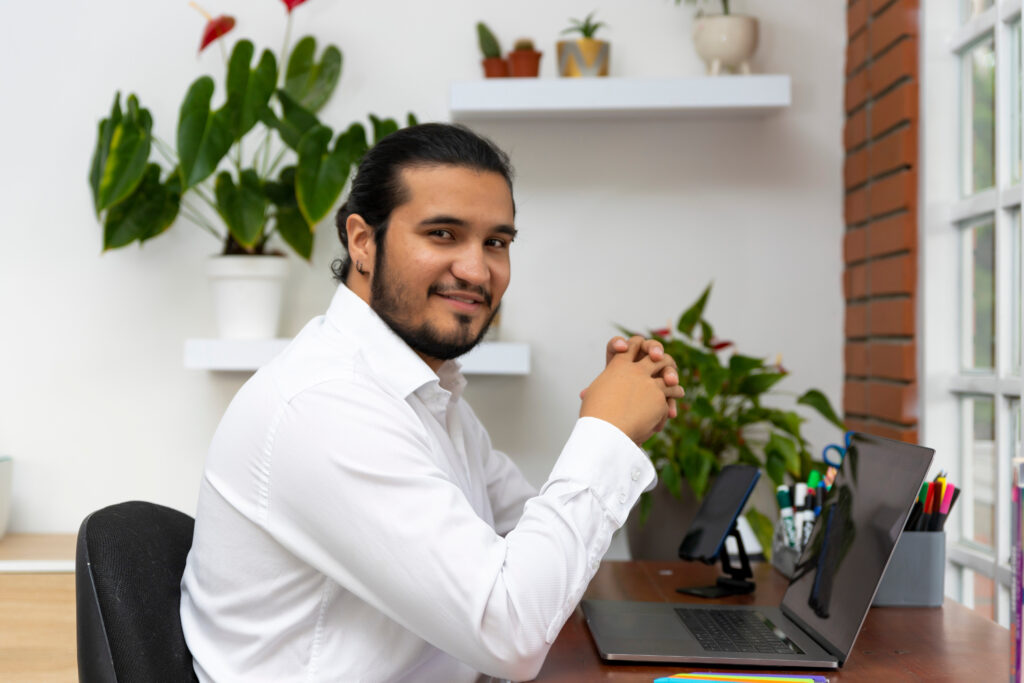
[
  {"x": 979, "y": 312},
  {"x": 1015, "y": 103},
  {"x": 981, "y": 430},
  {"x": 1016, "y": 290},
  {"x": 984, "y": 596},
  {"x": 972, "y": 8},
  {"x": 979, "y": 118}
]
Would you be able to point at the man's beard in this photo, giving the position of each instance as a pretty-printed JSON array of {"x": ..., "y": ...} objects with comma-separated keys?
[{"x": 386, "y": 299}]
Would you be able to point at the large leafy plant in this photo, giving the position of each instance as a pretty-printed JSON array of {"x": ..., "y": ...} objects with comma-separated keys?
[
  {"x": 285, "y": 178},
  {"x": 724, "y": 417}
]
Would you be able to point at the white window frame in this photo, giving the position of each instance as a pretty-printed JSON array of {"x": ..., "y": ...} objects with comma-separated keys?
[{"x": 942, "y": 211}]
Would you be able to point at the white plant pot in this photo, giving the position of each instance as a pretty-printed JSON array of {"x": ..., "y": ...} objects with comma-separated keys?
[
  {"x": 247, "y": 295},
  {"x": 725, "y": 42},
  {"x": 6, "y": 491}
]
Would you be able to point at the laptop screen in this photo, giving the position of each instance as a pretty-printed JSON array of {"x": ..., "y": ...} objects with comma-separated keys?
[{"x": 861, "y": 520}]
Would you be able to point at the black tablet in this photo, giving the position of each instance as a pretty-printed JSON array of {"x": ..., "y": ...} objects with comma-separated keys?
[{"x": 722, "y": 504}]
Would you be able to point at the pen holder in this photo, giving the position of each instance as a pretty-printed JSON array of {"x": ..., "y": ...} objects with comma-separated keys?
[
  {"x": 916, "y": 573},
  {"x": 783, "y": 557}
]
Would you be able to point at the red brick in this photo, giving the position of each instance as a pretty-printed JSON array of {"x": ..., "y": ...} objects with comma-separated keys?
[
  {"x": 858, "y": 425},
  {"x": 893, "y": 108},
  {"x": 856, "y": 356},
  {"x": 856, "y": 324},
  {"x": 855, "y": 209},
  {"x": 875, "y": 6},
  {"x": 855, "y": 132},
  {"x": 891, "y": 317},
  {"x": 855, "y": 245},
  {"x": 897, "y": 63},
  {"x": 893, "y": 234},
  {"x": 894, "y": 192},
  {"x": 898, "y": 20},
  {"x": 906, "y": 434},
  {"x": 855, "y": 397},
  {"x": 856, "y": 17},
  {"x": 856, "y": 89},
  {"x": 896, "y": 150},
  {"x": 893, "y": 402},
  {"x": 855, "y": 169},
  {"x": 893, "y": 275},
  {"x": 856, "y": 52},
  {"x": 892, "y": 360},
  {"x": 856, "y": 281}
]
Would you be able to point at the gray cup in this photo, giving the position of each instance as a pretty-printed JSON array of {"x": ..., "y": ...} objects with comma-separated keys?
[{"x": 916, "y": 573}]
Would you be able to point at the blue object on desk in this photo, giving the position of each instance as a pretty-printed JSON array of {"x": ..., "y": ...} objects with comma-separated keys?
[{"x": 839, "y": 451}]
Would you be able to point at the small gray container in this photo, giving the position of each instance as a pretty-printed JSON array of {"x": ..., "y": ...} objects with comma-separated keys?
[{"x": 916, "y": 573}]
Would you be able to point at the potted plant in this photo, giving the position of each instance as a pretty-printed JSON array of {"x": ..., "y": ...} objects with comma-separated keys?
[
  {"x": 282, "y": 182},
  {"x": 494, "y": 65},
  {"x": 723, "y": 419},
  {"x": 524, "y": 60},
  {"x": 725, "y": 41},
  {"x": 585, "y": 56}
]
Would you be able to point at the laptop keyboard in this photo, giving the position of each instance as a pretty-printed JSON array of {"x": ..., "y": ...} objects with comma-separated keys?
[{"x": 735, "y": 631}]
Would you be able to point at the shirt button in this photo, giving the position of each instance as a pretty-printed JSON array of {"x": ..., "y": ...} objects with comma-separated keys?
[
  {"x": 636, "y": 475},
  {"x": 622, "y": 497}
]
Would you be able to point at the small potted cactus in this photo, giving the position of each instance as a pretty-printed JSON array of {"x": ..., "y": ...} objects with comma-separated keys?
[
  {"x": 494, "y": 65},
  {"x": 585, "y": 56},
  {"x": 524, "y": 60}
]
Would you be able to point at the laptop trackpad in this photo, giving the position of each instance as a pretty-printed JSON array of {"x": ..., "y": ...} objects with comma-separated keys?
[{"x": 661, "y": 624}]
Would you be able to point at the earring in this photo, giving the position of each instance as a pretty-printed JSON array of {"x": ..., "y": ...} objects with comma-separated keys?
[{"x": 359, "y": 268}]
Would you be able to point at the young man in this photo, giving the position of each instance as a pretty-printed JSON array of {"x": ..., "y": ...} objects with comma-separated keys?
[{"x": 354, "y": 523}]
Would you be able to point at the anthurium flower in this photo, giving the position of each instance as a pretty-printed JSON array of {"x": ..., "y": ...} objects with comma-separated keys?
[
  {"x": 292, "y": 4},
  {"x": 663, "y": 332},
  {"x": 718, "y": 345},
  {"x": 215, "y": 28}
]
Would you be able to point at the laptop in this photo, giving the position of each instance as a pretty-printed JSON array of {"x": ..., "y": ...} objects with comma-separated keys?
[{"x": 827, "y": 599}]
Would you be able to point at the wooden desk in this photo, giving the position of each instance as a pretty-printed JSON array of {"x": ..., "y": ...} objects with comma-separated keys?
[{"x": 951, "y": 643}]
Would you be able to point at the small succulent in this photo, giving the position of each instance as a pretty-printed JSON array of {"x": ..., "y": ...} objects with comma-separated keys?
[
  {"x": 524, "y": 45},
  {"x": 489, "y": 45},
  {"x": 586, "y": 28}
]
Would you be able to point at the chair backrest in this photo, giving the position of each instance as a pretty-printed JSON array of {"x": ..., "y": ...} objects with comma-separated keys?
[{"x": 128, "y": 567}]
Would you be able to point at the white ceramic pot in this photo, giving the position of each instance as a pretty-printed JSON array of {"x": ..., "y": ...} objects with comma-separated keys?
[
  {"x": 247, "y": 295},
  {"x": 725, "y": 42},
  {"x": 6, "y": 491}
]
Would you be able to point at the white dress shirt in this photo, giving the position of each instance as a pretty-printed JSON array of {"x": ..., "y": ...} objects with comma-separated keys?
[{"x": 355, "y": 524}]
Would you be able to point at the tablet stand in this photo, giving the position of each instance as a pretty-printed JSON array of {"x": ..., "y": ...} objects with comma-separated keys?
[{"x": 736, "y": 583}]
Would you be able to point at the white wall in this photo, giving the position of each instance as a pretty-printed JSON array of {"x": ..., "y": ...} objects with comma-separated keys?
[{"x": 620, "y": 222}]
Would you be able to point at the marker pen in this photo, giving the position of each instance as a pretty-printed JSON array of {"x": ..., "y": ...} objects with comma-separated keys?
[
  {"x": 804, "y": 516},
  {"x": 786, "y": 515}
]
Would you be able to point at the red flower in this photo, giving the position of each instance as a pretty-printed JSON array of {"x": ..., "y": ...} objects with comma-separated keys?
[
  {"x": 292, "y": 4},
  {"x": 215, "y": 28},
  {"x": 718, "y": 345},
  {"x": 663, "y": 332}
]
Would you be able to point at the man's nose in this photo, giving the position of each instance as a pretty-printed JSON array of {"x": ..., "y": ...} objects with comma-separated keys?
[{"x": 471, "y": 266}]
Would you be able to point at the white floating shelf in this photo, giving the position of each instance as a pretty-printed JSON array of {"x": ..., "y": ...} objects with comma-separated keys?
[
  {"x": 489, "y": 358},
  {"x": 534, "y": 98}
]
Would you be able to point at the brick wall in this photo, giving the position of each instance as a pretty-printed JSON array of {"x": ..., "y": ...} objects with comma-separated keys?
[{"x": 880, "y": 213}]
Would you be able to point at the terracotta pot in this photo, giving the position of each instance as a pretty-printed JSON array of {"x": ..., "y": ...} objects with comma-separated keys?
[
  {"x": 725, "y": 42},
  {"x": 659, "y": 537},
  {"x": 583, "y": 57},
  {"x": 495, "y": 67},
  {"x": 524, "y": 63}
]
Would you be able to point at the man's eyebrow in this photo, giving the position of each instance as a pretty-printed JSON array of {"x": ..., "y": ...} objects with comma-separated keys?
[{"x": 452, "y": 220}]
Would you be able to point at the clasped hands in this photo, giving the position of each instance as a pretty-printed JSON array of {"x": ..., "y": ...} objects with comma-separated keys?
[{"x": 638, "y": 389}]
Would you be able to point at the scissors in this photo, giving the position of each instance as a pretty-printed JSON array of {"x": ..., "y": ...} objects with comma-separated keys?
[{"x": 833, "y": 455}]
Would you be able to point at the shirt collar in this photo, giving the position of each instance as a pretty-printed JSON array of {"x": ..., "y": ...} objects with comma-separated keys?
[{"x": 389, "y": 356}]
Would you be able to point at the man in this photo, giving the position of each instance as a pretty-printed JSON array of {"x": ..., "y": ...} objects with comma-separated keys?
[{"x": 354, "y": 523}]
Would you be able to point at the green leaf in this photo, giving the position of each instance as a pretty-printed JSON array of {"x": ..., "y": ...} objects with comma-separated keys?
[
  {"x": 712, "y": 377},
  {"x": 249, "y": 90},
  {"x": 748, "y": 457},
  {"x": 817, "y": 400},
  {"x": 706, "y": 334},
  {"x": 693, "y": 314},
  {"x": 787, "y": 421},
  {"x": 122, "y": 162},
  {"x": 149, "y": 210},
  {"x": 243, "y": 207},
  {"x": 697, "y": 466},
  {"x": 382, "y": 128},
  {"x": 646, "y": 502},
  {"x": 290, "y": 223},
  {"x": 775, "y": 466},
  {"x": 702, "y": 407},
  {"x": 411, "y": 120},
  {"x": 203, "y": 137},
  {"x": 753, "y": 385},
  {"x": 322, "y": 174},
  {"x": 744, "y": 365},
  {"x": 102, "y": 151},
  {"x": 670, "y": 477},
  {"x": 787, "y": 449},
  {"x": 308, "y": 82},
  {"x": 763, "y": 529}
]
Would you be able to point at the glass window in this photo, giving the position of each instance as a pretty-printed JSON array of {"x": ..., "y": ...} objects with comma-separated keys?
[
  {"x": 972, "y": 8},
  {"x": 979, "y": 126},
  {"x": 1015, "y": 103},
  {"x": 981, "y": 432},
  {"x": 979, "y": 313}
]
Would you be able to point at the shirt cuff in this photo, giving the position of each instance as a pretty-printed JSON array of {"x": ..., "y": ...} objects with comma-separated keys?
[{"x": 600, "y": 457}]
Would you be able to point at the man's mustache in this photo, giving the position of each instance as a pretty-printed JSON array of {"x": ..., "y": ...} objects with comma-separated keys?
[{"x": 460, "y": 286}]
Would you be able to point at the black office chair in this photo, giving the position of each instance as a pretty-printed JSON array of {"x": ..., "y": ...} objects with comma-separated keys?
[{"x": 128, "y": 568}]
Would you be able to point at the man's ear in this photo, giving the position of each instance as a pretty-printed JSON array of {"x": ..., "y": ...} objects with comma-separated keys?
[{"x": 361, "y": 245}]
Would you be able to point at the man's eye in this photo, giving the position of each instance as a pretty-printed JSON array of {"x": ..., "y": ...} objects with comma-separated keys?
[
  {"x": 444, "y": 234},
  {"x": 497, "y": 243}
]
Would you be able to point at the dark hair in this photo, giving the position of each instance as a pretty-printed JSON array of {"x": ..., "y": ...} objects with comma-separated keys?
[{"x": 377, "y": 188}]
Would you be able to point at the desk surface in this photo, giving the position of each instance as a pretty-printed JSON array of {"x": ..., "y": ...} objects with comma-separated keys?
[{"x": 951, "y": 643}]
